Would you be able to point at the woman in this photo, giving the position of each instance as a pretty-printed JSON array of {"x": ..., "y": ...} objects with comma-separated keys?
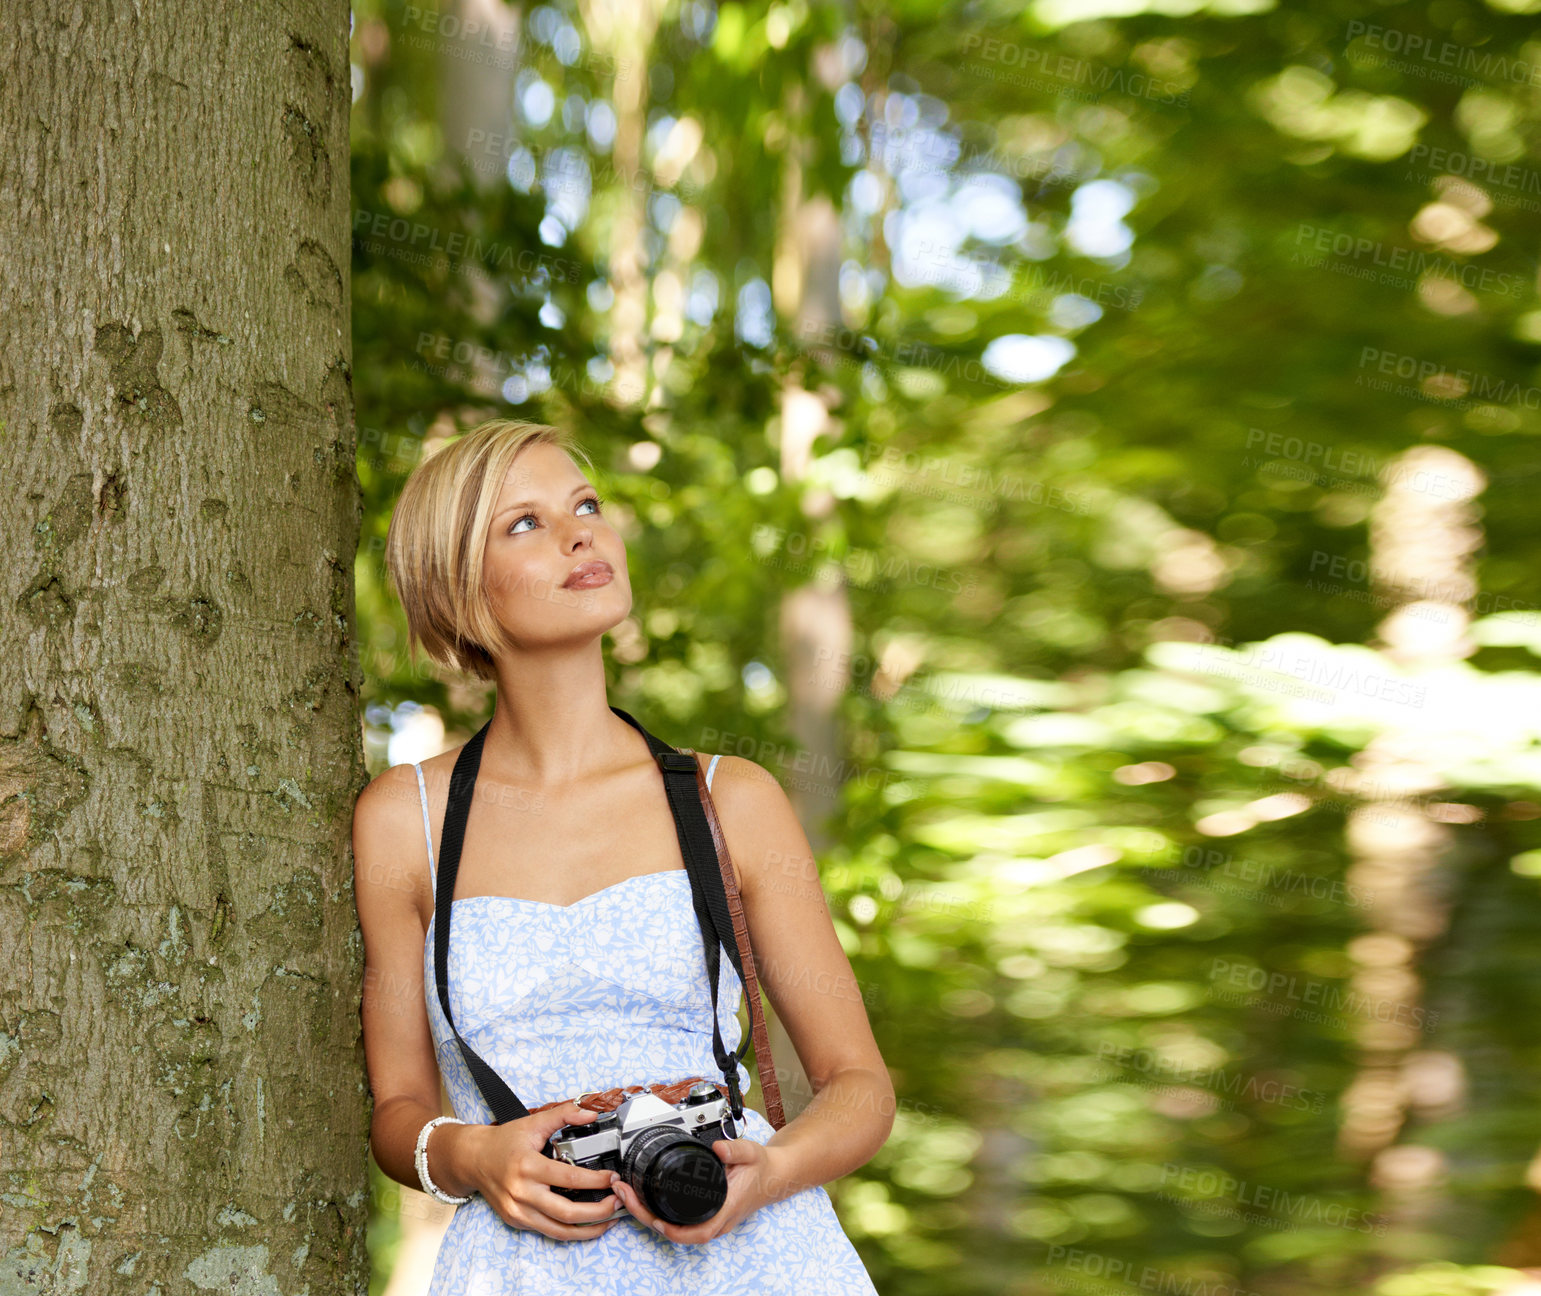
[{"x": 575, "y": 960}]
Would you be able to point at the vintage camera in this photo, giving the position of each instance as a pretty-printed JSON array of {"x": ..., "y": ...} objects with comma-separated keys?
[{"x": 663, "y": 1150}]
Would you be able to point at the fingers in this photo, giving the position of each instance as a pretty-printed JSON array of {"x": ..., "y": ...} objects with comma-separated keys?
[
  {"x": 679, "y": 1234},
  {"x": 634, "y": 1206},
  {"x": 736, "y": 1151},
  {"x": 536, "y": 1222},
  {"x": 556, "y": 1217},
  {"x": 568, "y": 1211},
  {"x": 526, "y": 1199},
  {"x": 544, "y": 1124},
  {"x": 563, "y": 1174},
  {"x": 726, "y": 1218}
]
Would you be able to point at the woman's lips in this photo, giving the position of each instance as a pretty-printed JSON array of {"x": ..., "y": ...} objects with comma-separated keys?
[{"x": 589, "y": 575}]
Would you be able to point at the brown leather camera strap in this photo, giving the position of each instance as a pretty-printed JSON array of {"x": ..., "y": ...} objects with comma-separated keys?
[
  {"x": 607, "y": 1100},
  {"x": 762, "y": 1051}
]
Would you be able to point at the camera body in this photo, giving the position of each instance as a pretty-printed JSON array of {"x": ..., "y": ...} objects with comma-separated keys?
[{"x": 663, "y": 1150}]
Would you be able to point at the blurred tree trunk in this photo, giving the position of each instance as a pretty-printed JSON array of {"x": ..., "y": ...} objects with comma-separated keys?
[
  {"x": 478, "y": 60},
  {"x": 183, "y": 1101},
  {"x": 622, "y": 32},
  {"x": 816, "y": 632},
  {"x": 1422, "y": 545}
]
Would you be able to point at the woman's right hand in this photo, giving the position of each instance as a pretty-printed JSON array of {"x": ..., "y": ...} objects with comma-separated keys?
[{"x": 509, "y": 1169}]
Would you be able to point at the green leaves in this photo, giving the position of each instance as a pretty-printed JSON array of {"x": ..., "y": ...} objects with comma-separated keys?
[{"x": 1122, "y": 718}]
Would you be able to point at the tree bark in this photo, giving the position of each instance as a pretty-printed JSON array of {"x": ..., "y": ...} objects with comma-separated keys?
[{"x": 183, "y": 1100}]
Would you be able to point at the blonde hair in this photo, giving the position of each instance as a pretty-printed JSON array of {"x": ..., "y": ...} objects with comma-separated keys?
[{"x": 437, "y": 537}]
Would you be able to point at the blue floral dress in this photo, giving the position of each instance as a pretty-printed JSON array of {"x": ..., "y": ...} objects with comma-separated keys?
[{"x": 562, "y": 1000}]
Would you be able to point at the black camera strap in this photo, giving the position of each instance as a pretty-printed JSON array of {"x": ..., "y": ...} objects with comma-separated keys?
[{"x": 706, "y": 887}]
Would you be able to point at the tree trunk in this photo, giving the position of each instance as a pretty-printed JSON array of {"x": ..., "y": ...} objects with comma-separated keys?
[
  {"x": 478, "y": 63},
  {"x": 815, "y": 623},
  {"x": 1421, "y": 559},
  {"x": 622, "y": 31},
  {"x": 183, "y": 1101}
]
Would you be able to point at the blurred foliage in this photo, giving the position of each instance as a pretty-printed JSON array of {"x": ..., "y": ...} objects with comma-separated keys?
[{"x": 1138, "y": 310}]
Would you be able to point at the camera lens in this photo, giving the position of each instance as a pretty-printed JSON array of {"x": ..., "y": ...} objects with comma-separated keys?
[{"x": 678, "y": 1178}]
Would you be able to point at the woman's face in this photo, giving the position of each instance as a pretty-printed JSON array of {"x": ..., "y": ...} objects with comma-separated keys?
[{"x": 547, "y": 550}]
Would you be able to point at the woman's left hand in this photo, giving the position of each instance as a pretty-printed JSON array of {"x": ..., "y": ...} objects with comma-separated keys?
[{"x": 751, "y": 1178}]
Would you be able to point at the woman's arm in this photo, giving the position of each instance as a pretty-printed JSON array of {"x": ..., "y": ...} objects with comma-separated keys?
[
  {"x": 808, "y": 979},
  {"x": 390, "y": 863}
]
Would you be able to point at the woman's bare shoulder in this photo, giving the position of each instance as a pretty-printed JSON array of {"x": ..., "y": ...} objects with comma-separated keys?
[
  {"x": 390, "y": 851},
  {"x": 384, "y": 795},
  {"x": 398, "y": 783}
]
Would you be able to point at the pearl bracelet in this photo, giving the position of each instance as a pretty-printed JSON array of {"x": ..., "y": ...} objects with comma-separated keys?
[{"x": 420, "y": 1158}]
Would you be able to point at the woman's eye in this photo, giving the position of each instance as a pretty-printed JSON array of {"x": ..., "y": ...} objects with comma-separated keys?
[{"x": 595, "y": 500}]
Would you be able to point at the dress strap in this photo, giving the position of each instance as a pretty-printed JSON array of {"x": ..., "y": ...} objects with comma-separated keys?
[
  {"x": 711, "y": 769},
  {"x": 422, "y": 792}
]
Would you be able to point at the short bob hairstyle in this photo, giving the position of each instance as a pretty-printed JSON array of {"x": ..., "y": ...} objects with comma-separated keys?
[{"x": 438, "y": 534}]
